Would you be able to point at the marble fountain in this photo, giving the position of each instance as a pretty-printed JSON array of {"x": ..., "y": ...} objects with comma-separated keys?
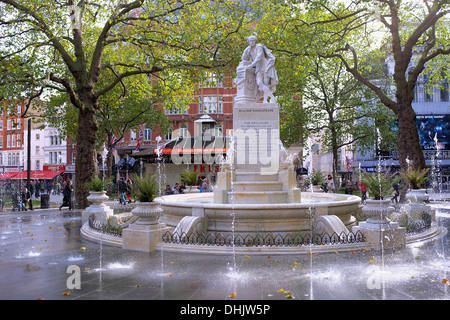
[{"x": 256, "y": 196}]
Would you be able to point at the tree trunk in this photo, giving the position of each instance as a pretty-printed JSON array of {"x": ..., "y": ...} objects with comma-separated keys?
[
  {"x": 410, "y": 150},
  {"x": 86, "y": 161}
]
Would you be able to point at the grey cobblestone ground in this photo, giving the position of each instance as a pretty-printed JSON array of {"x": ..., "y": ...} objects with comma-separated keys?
[{"x": 36, "y": 249}]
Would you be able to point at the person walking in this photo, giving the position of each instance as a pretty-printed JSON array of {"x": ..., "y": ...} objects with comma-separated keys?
[
  {"x": 330, "y": 183},
  {"x": 363, "y": 189},
  {"x": 122, "y": 190},
  {"x": 129, "y": 188},
  {"x": 67, "y": 196}
]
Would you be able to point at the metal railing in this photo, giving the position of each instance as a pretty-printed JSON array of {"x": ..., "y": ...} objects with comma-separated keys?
[
  {"x": 249, "y": 240},
  {"x": 104, "y": 228}
]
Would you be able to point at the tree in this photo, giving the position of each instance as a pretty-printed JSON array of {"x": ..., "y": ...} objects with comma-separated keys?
[
  {"x": 65, "y": 44},
  {"x": 340, "y": 108},
  {"x": 415, "y": 37}
]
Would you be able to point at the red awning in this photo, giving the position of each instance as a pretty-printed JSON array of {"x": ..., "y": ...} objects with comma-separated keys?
[
  {"x": 7, "y": 175},
  {"x": 39, "y": 174}
]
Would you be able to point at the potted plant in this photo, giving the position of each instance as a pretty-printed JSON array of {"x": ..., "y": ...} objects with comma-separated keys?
[
  {"x": 379, "y": 186},
  {"x": 415, "y": 178},
  {"x": 417, "y": 208},
  {"x": 97, "y": 188},
  {"x": 146, "y": 189},
  {"x": 316, "y": 180},
  {"x": 97, "y": 195},
  {"x": 189, "y": 178}
]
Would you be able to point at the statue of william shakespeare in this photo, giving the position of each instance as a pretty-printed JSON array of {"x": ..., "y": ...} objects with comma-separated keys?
[{"x": 262, "y": 63}]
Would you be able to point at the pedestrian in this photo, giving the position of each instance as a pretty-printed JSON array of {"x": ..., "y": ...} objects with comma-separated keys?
[
  {"x": 67, "y": 195},
  {"x": 26, "y": 198},
  {"x": 182, "y": 188},
  {"x": 122, "y": 190},
  {"x": 396, "y": 187},
  {"x": 206, "y": 186},
  {"x": 168, "y": 190},
  {"x": 330, "y": 183},
  {"x": 363, "y": 189},
  {"x": 129, "y": 188}
]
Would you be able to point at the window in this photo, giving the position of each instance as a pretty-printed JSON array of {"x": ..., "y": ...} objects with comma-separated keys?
[
  {"x": 37, "y": 165},
  {"x": 444, "y": 92},
  {"x": 428, "y": 96},
  {"x": 1, "y": 141},
  {"x": 8, "y": 124},
  {"x": 132, "y": 135},
  {"x": 218, "y": 130},
  {"x": 38, "y": 136},
  {"x": 18, "y": 140},
  {"x": 210, "y": 104},
  {"x": 212, "y": 81},
  {"x": 184, "y": 131},
  {"x": 176, "y": 110},
  {"x": 147, "y": 133},
  {"x": 13, "y": 140},
  {"x": 1, "y": 124},
  {"x": 427, "y": 91},
  {"x": 38, "y": 150},
  {"x": 168, "y": 135},
  {"x": 8, "y": 141},
  {"x": 16, "y": 124},
  {"x": 53, "y": 157}
]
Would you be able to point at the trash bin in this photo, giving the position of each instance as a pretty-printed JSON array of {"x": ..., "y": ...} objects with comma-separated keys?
[{"x": 45, "y": 201}]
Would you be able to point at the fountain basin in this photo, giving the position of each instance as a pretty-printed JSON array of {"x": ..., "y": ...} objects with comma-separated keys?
[{"x": 273, "y": 218}]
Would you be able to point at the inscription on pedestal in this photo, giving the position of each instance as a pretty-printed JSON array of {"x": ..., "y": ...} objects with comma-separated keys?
[{"x": 256, "y": 137}]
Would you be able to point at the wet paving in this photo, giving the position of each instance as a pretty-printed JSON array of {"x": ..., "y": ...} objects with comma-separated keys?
[{"x": 38, "y": 248}]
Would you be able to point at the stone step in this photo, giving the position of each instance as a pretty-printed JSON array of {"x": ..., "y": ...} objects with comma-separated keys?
[
  {"x": 254, "y": 176},
  {"x": 240, "y": 186},
  {"x": 248, "y": 197}
]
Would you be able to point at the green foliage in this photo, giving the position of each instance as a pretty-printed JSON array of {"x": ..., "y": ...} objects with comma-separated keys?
[
  {"x": 415, "y": 177},
  {"x": 379, "y": 185},
  {"x": 317, "y": 178},
  {"x": 146, "y": 188},
  {"x": 98, "y": 184},
  {"x": 189, "y": 177}
]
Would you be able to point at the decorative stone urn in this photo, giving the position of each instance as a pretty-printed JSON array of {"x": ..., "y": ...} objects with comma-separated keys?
[
  {"x": 417, "y": 195},
  {"x": 417, "y": 208},
  {"x": 191, "y": 189},
  {"x": 148, "y": 213},
  {"x": 377, "y": 211},
  {"x": 378, "y": 230},
  {"x": 97, "y": 198},
  {"x": 98, "y": 207},
  {"x": 315, "y": 188}
]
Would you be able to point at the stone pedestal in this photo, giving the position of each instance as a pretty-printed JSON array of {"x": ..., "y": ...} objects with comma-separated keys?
[
  {"x": 143, "y": 237},
  {"x": 146, "y": 232},
  {"x": 391, "y": 238}
]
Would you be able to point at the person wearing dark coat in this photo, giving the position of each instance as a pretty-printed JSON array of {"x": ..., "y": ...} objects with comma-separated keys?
[
  {"x": 26, "y": 198},
  {"x": 67, "y": 196}
]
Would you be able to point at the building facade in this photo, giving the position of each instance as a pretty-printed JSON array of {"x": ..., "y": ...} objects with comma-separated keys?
[{"x": 11, "y": 140}]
